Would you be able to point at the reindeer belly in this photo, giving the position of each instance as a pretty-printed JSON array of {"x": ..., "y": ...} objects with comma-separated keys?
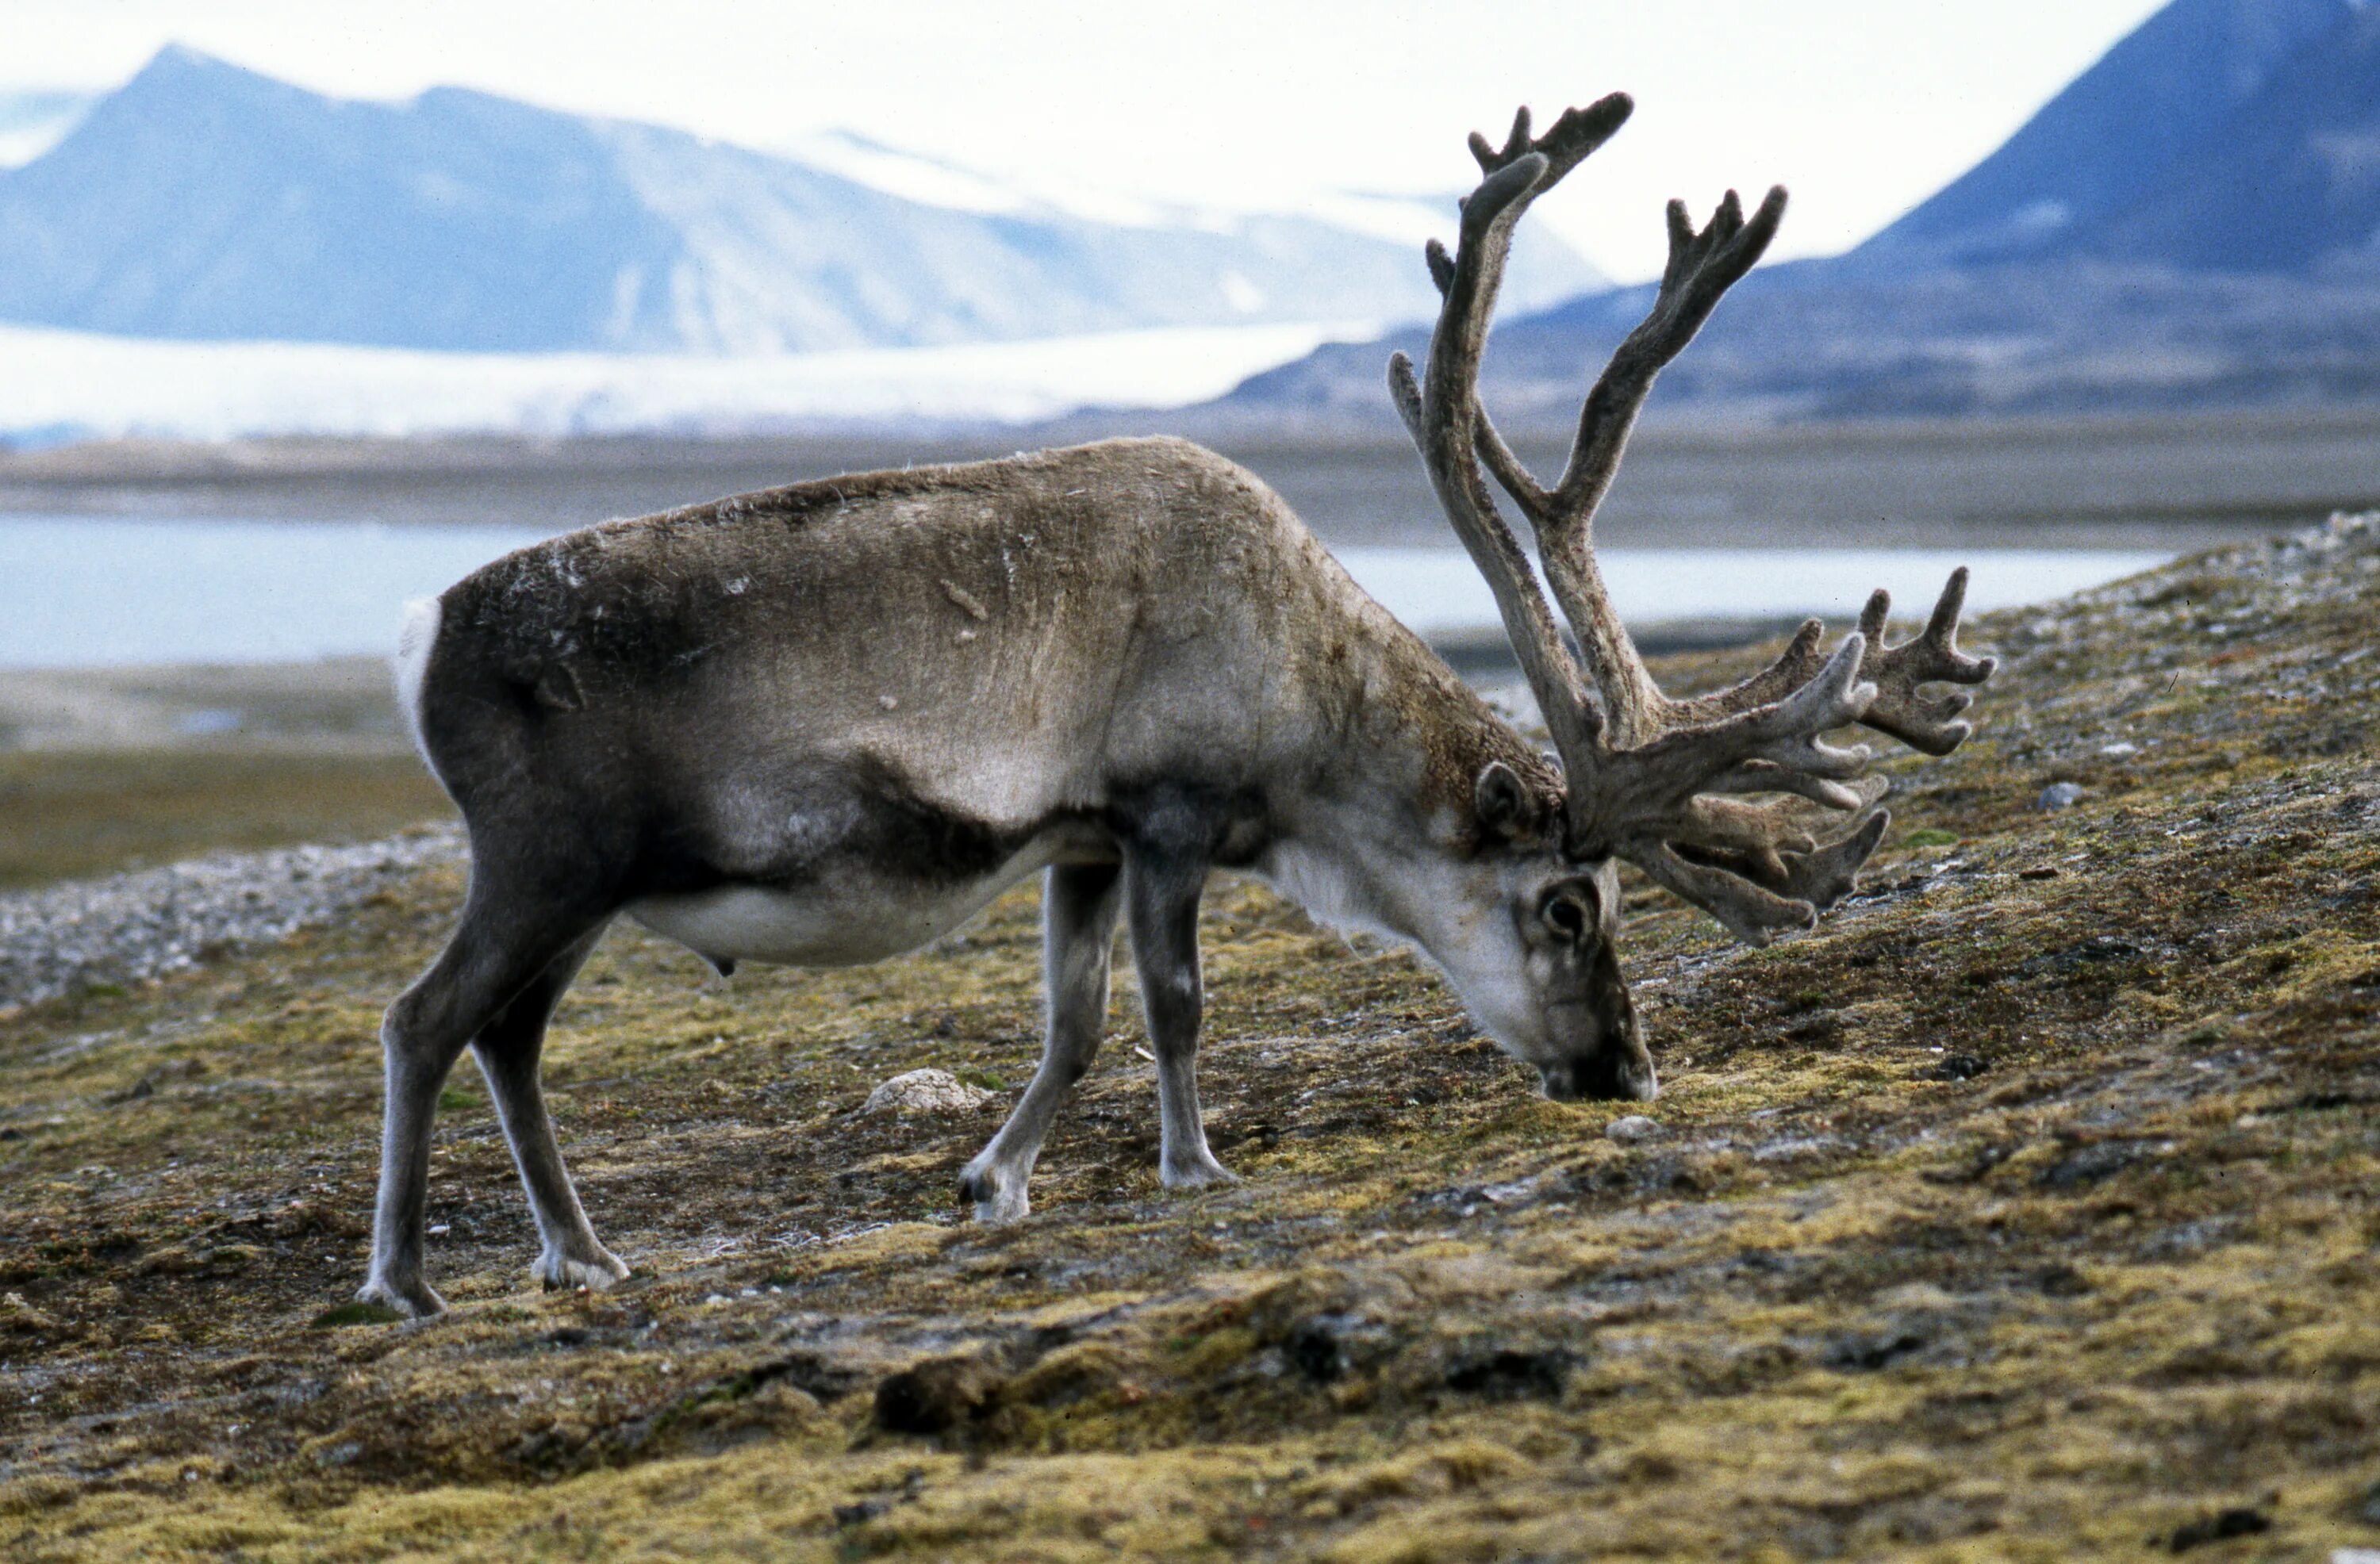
[{"x": 848, "y": 915}]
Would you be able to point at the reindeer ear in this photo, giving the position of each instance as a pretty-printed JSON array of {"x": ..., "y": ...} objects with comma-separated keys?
[{"x": 1503, "y": 804}]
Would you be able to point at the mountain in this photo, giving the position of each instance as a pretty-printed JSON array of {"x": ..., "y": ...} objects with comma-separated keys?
[
  {"x": 2194, "y": 221},
  {"x": 2288, "y": 181},
  {"x": 2100, "y": 146},
  {"x": 202, "y": 200},
  {"x": 31, "y": 122}
]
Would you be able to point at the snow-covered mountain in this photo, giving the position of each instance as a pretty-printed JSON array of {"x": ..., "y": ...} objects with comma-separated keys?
[
  {"x": 201, "y": 201},
  {"x": 31, "y": 122},
  {"x": 61, "y": 387}
]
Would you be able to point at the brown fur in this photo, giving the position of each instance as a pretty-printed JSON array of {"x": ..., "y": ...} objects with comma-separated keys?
[{"x": 824, "y": 723}]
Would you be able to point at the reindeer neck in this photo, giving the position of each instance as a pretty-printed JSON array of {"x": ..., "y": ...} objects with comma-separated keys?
[{"x": 1381, "y": 829}]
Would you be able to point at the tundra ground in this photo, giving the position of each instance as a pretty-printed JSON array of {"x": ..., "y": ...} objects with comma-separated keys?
[{"x": 2029, "y": 1209}]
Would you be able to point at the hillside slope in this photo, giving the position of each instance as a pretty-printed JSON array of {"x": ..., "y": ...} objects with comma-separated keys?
[
  {"x": 1793, "y": 343},
  {"x": 2024, "y": 1211},
  {"x": 2115, "y": 130},
  {"x": 2288, "y": 182}
]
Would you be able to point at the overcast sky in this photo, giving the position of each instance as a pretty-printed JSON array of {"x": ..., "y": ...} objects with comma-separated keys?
[{"x": 1863, "y": 108}]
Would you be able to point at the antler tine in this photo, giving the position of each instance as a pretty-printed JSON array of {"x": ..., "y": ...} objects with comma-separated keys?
[
  {"x": 1443, "y": 410},
  {"x": 1663, "y": 783},
  {"x": 1927, "y": 723},
  {"x": 1577, "y": 133},
  {"x": 1667, "y": 805},
  {"x": 1441, "y": 413},
  {"x": 1701, "y": 267},
  {"x": 1749, "y": 911},
  {"x": 1769, "y": 844},
  {"x": 1756, "y": 871},
  {"x": 1930, "y": 724}
]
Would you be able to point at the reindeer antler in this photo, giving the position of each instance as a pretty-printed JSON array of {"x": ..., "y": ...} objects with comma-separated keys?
[{"x": 1650, "y": 779}]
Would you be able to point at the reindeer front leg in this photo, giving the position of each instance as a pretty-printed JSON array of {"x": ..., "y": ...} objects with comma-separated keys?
[
  {"x": 1079, "y": 904},
  {"x": 1163, "y": 891}
]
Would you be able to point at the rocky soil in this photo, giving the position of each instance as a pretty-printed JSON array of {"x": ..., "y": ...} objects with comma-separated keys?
[
  {"x": 2029, "y": 1209},
  {"x": 131, "y": 928}
]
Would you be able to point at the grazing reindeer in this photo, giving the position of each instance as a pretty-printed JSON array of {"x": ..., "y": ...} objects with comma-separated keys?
[{"x": 826, "y": 723}]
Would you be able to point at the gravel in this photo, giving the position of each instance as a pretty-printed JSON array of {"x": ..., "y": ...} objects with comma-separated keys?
[{"x": 125, "y": 928}]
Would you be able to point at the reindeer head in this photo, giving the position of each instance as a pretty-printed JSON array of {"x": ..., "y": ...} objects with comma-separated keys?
[
  {"x": 1722, "y": 799},
  {"x": 1540, "y": 965}
]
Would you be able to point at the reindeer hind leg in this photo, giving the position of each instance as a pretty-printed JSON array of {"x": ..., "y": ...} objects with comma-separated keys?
[
  {"x": 508, "y": 1048},
  {"x": 502, "y": 945}
]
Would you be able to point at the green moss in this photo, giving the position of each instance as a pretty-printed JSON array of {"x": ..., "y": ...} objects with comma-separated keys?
[
  {"x": 81, "y": 813},
  {"x": 2004, "y": 1218}
]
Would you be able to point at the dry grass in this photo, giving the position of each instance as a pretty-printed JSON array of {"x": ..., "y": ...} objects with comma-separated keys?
[
  {"x": 2027, "y": 1211},
  {"x": 81, "y": 813}
]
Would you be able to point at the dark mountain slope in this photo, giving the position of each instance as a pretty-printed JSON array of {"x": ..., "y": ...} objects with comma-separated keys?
[
  {"x": 2091, "y": 149},
  {"x": 2288, "y": 181}
]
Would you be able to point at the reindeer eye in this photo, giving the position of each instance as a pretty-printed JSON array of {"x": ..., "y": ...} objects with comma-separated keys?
[{"x": 1567, "y": 915}]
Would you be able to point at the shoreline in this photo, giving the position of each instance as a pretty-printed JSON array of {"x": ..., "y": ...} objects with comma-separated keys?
[{"x": 2181, "y": 482}]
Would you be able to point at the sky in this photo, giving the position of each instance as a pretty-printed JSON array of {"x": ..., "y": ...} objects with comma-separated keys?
[{"x": 1861, "y": 107}]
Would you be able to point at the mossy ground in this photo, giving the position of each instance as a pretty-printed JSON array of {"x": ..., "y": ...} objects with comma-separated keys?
[
  {"x": 2030, "y": 1209},
  {"x": 85, "y": 812}
]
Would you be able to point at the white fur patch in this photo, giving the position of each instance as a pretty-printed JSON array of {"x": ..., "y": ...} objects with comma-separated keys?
[
  {"x": 847, "y": 917},
  {"x": 418, "y": 634}
]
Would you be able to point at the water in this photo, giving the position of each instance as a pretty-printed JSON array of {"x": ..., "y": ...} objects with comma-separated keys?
[
  {"x": 90, "y": 591},
  {"x": 1437, "y": 590}
]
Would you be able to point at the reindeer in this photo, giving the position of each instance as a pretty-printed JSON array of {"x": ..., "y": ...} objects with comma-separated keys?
[{"x": 827, "y": 723}]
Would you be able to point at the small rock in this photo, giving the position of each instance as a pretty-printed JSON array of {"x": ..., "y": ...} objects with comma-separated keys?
[
  {"x": 1631, "y": 1130},
  {"x": 2119, "y": 749},
  {"x": 20, "y": 1318},
  {"x": 934, "y": 1395},
  {"x": 2090, "y": 1164},
  {"x": 2059, "y": 796},
  {"x": 1510, "y": 1375},
  {"x": 926, "y": 1091},
  {"x": 2370, "y": 1512},
  {"x": 2221, "y": 1527},
  {"x": 1795, "y": 1146},
  {"x": 1866, "y": 1353}
]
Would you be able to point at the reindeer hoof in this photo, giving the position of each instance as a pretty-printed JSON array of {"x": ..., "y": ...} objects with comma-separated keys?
[
  {"x": 562, "y": 1273},
  {"x": 414, "y": 1299},
  {"x": 994, "y": 1199},
  {"x": 1199, "y": 1174}
]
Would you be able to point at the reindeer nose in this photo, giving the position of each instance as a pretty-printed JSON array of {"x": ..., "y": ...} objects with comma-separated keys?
[{"x": 1608, "y": 1076}]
